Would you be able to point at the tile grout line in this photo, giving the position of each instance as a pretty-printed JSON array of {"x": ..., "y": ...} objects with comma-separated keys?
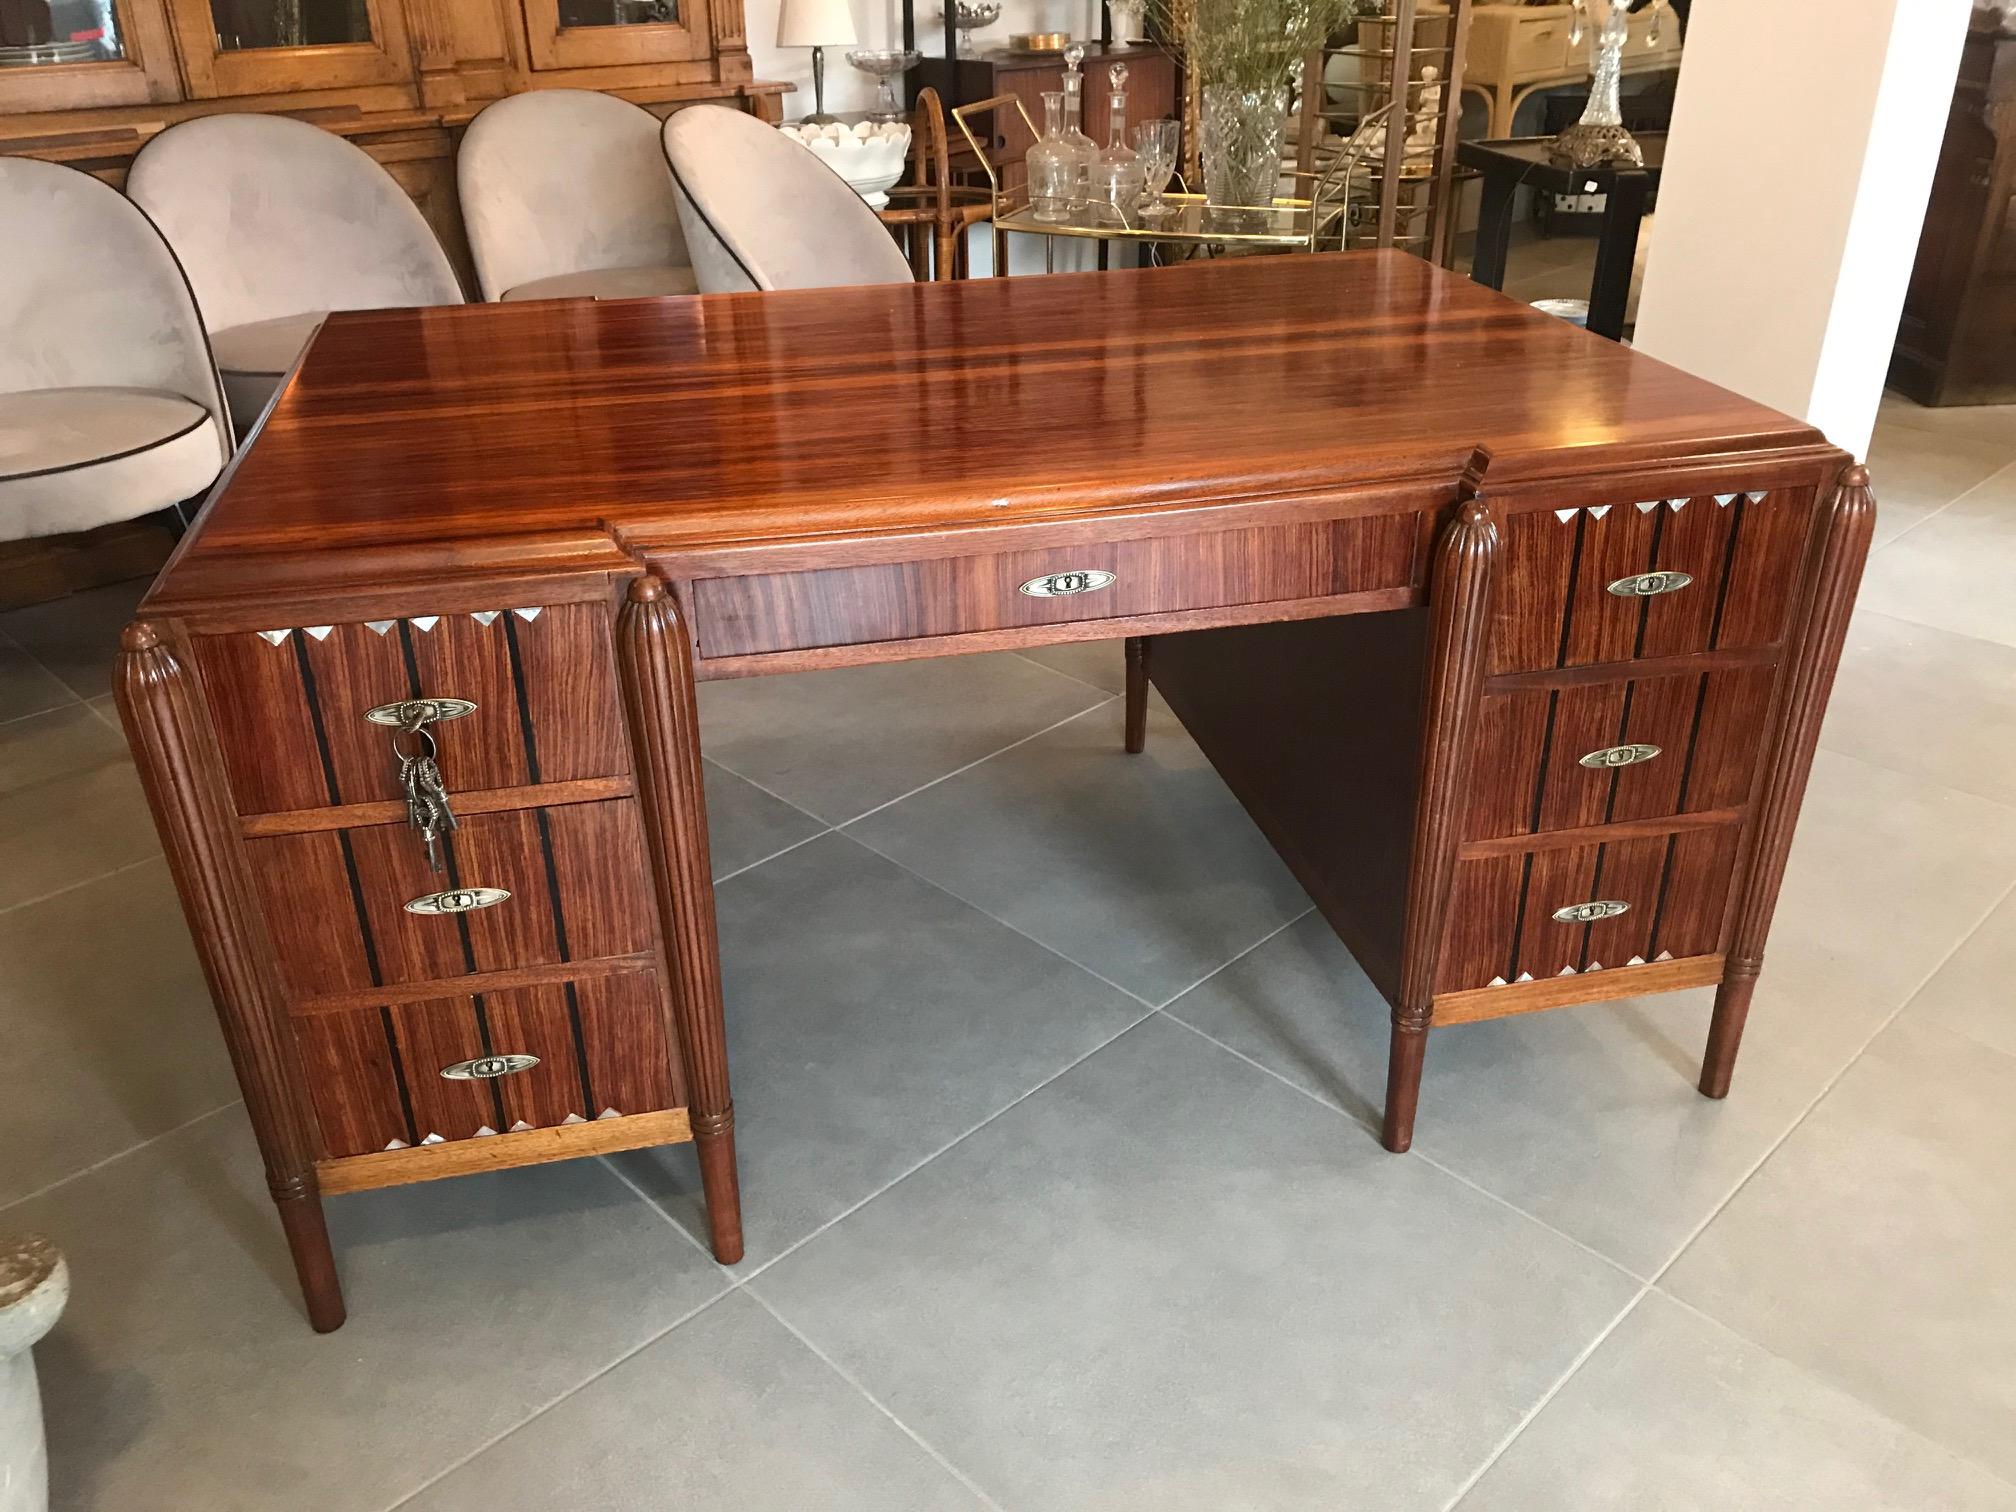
[
  {"x": 980, "y": 761},
  {"x": 876, "y": 1402},
  {"x": 1832, "y": 1082},
  {"x": 782, "y": 851},
  {"x": 56, "y": 708},
  {"x": 494, "y": 1440},
  {"x": 1373, "y": 1130},
  {"x": 1835, "y": 1386},
  {"x": 1930, "y": 516},
  {"x": 1546, "y": 1397},
  {"x": 70, "y": 887},
  {"x": 117, "y": 1155}
]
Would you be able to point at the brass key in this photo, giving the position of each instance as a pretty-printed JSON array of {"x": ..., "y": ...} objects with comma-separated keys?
[{"x": 427, "y": 807}]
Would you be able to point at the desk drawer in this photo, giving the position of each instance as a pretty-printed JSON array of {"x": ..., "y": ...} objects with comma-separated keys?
[
  {"x": 290, "y": 704},
  {"x": 1538, "y": 47},
  {"x": 1618, "y": 582},
  {"x": 465, "y": 1067},
  {"x": 337, "y": 901},
  {"x": 1560, "y": 912},
  {"x": 843, "y": 606},
  {"x": 1637, "y": 748}
]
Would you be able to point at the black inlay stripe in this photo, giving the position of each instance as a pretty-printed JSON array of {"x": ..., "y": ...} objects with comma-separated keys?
[
  {"x": 524, "y": 701},
  {"x": 489, "y": 1048},
  {"x": 399, "y": 1075},
  {"x": 357, "y": 905},
  {"x": 1659, "y": 908},
  {"x": 1595, "y": 891},
  {"x": 1546, "y": 755},
  {"x": 315, "y": 716},
  {"x": 412, "y": 661},
  {"x": 1728, "y": 561},
  {"x": 580, "y": 1051},
  {"x": 545, "y": 826},
  {"x": 1519, "y": 918},
  {"x": 1623, "y": 734},
  {"x": 1693, "y": 740},
  {"x": 1568, "y": 603},
  {"x": 461, "y": 919},
  {"x": 1651, "y": 565}
]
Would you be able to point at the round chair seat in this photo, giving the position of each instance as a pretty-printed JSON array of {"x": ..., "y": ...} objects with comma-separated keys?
[
  {"x": 76, "y": 458},
  {"x": 254, "y": 357},
  {"x": 608, "y": 283}
]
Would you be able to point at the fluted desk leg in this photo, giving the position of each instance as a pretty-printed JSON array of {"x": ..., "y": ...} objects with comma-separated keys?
[
  {"x": 1137, "y": 694},
  {"x": 1460, "y": 603},
  {"x": 656, "y": 656},
  {"x": 1840, "y": 547},
  {"x": 168, "y": 728}
]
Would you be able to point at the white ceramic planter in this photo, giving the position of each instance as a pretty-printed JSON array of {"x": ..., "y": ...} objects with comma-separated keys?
[
  {"x": 870, "y": 157},
  {"x": 34, "y": 1285}
]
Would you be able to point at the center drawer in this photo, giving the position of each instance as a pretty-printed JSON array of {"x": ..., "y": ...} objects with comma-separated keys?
[
  {"x": 894, "y": 601},
  {"x": 340, "y": 904}
]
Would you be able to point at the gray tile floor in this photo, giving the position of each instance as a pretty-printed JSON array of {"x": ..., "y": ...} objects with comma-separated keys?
[{"x": 1056, "y": 1107}]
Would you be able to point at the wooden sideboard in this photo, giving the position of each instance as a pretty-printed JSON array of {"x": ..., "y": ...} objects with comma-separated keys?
[
  {"x": 1956, "y": 343},
  {"x": 399, "y": 78},
  {"x": 1516, "y": 49},
  {"x": 1513, "y": 642}
]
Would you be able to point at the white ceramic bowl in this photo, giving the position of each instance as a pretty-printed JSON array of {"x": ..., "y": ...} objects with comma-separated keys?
[{"x": 868, "y": 155}]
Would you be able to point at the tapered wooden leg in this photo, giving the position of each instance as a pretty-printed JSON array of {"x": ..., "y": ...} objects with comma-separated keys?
[
  {"x": 1838, "y": 549},
  {"x": 1460, "y": 586},
  {"x": 1403, "y": 1084},
  {"x": 182, "y": 773},
  {"x": 1725, "y": 1030},
  {"x": 656, "y": 656},
  {"x": 1137, "y": 694}
]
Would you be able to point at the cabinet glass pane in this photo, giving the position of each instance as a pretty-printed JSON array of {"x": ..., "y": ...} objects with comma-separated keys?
[
  {"x": 615, "y": 12},
  {"x": 49, "y": 33},
  {"x": 246, "y": 24}
]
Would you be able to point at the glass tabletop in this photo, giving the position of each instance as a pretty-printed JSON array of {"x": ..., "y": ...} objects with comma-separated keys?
[{"x": 1285, "y": 223}]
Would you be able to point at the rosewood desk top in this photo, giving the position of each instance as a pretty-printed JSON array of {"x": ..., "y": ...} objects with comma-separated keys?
[{"x": 590, "y": 435}]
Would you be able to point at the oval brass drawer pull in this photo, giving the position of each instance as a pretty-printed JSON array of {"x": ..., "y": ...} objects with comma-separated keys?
[
  {"x": 1618, "y": 756},
  {"x": 1649, "y": 584},
  {"x": 485, "y": 1067},
  {"x": 432, "y": 711},
  {"x": 457, "y": 900},
  {"x": 1588, "y": 913},
  {"x": 1064, "y": 584}
]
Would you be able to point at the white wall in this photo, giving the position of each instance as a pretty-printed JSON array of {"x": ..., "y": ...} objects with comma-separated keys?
[
  {"x": 1804, "y": 137},
  {"x": 879, "y": 23}
]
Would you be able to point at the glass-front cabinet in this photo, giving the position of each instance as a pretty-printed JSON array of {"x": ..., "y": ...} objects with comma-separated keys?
[{"x": 241, "y": 47}]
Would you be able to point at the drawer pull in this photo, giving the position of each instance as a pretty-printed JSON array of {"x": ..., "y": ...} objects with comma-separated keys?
[
  {"x": 487, "y": 1067},
  {"x": 1588, "y": 913},
  {"x": 457, "y": 900},
  {"x": 1064, "y": 584},
  {"x": 1618, "y": 756},
  {"x": 1650, "y": 584},
  {"x": 411, "y": 712}
]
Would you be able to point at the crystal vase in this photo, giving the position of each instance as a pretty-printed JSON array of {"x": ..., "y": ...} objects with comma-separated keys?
[
  {"x": 1242, "y": 144},
  {"x": 1599, "y": 137}
]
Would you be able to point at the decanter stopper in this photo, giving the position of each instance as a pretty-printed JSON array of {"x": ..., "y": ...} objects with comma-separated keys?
[
  {"x": 1073, "y": 56},
  {"x": 1117, "y": 76}
]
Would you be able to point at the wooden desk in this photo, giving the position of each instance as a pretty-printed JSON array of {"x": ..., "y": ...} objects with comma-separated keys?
[{"x": 1405, "y": 556}]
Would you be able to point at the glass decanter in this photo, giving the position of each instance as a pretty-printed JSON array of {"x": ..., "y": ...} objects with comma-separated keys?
[
  {"x": 1052, "y": 165},
  {"x": 1084, "y": 151},
  {"x": 1118, "y": 178}
]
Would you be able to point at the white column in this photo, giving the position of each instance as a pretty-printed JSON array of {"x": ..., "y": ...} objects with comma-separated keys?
[{"x": 1804, "y": 137}]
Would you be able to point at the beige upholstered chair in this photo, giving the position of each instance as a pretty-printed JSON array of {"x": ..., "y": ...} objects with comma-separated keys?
[
  {"x": 109, "y": 407},
  {"x": 762, "y": 212},
  {"x": 565, "y": 195},
  {"x": 278, "y": 223}
]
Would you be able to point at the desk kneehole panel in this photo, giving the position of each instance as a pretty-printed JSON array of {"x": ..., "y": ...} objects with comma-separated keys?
[
  {"x": 411, "y": 1074},
  {"x": 1652, "y": 578},
  {"x": 896, "y": 601},
  {"x": 290, "y": 705},
  {"x": 338, "y": 903},
  {"x": 1526, "y": 916}
]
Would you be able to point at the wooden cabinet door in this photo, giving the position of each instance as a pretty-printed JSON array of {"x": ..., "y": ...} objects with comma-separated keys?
[{"x": 243, "y": 47}]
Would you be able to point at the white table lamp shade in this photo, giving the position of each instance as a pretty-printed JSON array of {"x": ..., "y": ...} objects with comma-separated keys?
[{"x": 815, "y": 23}]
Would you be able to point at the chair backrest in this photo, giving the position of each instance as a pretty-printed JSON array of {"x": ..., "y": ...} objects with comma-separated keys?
[
  {"x": 565, "y": 181},
  {"x": 92, "y": 296},
  {"x": 762, "y": 212},
  {"x": 274, "y": 217}
]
